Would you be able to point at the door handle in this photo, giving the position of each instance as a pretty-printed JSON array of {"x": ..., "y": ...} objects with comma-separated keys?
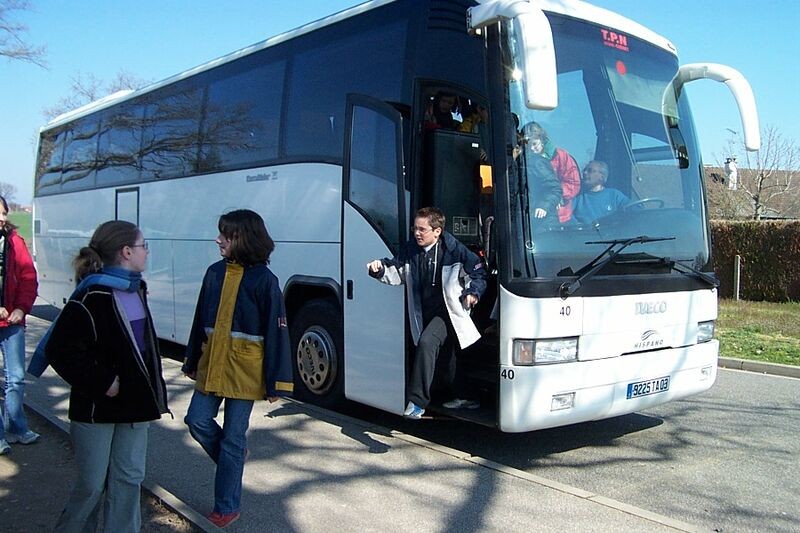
[{"x": 349, "y": 289}]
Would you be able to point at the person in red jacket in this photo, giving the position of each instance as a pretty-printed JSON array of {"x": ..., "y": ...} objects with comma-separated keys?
[
  {"x": 18, "y": 287},
  {"x": 564, "y": 165}
]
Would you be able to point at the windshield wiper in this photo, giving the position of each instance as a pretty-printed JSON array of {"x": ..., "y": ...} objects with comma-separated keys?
[
  {"x": 686, "y": 269},
  {"x": 595, "y": 265},
  {"x": 672, "y": 264}
]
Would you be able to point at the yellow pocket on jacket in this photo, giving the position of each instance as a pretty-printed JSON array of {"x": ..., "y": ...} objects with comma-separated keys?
[{"x": 245, "y": 374}]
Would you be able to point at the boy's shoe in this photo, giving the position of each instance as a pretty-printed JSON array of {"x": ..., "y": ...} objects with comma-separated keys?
[
  {"x": 222, "y": 520},
  {"x": 29, "y": 437},
  {"x": 4, "y": 447},
  {"x": 458, "y": 403},
  {"x": 413, "y": 411}
]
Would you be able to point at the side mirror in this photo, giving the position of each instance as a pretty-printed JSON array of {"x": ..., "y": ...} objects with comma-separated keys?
[
  {"x": 536, "y": 57},
  {"x": 539, "y": 60},
  {"x": 738, "y": 85}
]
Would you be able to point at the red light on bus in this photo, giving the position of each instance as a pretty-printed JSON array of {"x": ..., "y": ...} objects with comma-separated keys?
[{"x": 621, "y": 68}]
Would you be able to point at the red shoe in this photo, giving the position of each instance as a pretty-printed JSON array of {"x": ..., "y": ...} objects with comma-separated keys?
[{"x": 222, "y": 520}]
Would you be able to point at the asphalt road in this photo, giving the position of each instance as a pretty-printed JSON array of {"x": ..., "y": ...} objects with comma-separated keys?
[{"x": 726, "y": 460}]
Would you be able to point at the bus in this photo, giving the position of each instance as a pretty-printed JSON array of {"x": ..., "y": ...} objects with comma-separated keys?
[{"x": 329, "y": 131}]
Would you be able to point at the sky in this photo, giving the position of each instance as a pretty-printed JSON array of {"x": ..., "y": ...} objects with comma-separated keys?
[{"x": 154, "y": 39}]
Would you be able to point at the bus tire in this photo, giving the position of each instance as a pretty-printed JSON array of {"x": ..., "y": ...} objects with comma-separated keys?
[{"x": 317, "y": 357}]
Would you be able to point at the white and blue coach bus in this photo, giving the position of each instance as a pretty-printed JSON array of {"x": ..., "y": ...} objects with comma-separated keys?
[{"x": 325, "y": 131}]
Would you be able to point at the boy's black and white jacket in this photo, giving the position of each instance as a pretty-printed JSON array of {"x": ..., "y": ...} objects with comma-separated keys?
[
  {"x": 90, "y": 343},
  {"x": 463, "y": 273}
]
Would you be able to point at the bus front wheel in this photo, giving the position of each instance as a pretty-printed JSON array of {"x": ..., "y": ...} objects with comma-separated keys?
[{"x": 316, "y": 333}]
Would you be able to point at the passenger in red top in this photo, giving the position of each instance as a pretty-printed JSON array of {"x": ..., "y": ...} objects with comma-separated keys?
[
  {"x": 564, "y": 165},
  {"x": 19, "y": 285}
]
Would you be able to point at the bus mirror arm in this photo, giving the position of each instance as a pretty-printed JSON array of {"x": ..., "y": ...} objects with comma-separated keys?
[
  {"x": 538, "y": 57},
  {"x": 733, "y": 79}
]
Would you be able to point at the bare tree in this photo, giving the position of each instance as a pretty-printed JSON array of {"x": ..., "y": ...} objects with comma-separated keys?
[
  {"x": 12, "y": 35},
  {"x": 8, "y": 191},
  {"x": 724, "y": 203},
  {"x": 769, "y": 179},
  {"x": 88, "y": 88}
]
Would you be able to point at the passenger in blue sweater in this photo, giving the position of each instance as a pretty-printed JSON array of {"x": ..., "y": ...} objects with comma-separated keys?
[{"x": 596, "y": 200}]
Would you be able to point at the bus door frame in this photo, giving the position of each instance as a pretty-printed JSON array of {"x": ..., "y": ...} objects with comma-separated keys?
[{"x": 374, "y": 313}]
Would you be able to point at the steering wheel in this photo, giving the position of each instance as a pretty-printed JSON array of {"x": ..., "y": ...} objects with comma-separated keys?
[{"x": 643, "y": 201}]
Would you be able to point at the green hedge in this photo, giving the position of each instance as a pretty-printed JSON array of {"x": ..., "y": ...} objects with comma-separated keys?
[{"x": 770, "y": 259}]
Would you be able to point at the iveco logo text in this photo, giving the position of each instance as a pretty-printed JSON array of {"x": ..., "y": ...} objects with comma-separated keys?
[
  {"x": 650, "y": 308},
  {"x": 650, "y": 339}
]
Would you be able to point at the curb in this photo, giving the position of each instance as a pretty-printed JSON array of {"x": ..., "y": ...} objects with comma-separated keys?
[{"x": 761, "y": 367}]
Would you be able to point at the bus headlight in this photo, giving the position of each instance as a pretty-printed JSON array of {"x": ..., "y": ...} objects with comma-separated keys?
[
  {"x": 705, "y": 331},
  {"x": 542, "y": 352}
]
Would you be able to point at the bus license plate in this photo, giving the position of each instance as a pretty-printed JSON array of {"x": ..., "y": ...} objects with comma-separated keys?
[{"x": 651, "y": 386}]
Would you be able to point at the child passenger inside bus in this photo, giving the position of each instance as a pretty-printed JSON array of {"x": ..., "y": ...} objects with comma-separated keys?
[
  {"x": 439, "y": 112},
  {"x": 563, "y": 164},
  {"x": 543, "y": 187},
  {"x": 476, "y": 120}
]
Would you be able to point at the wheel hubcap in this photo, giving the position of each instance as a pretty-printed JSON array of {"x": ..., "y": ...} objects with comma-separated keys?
[{"x": 316, "y": 360}]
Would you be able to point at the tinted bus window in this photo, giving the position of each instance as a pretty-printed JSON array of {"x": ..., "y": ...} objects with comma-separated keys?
[
  {"x": 170, "y": 140},
  {"x": 374, "y": 175},
  {"x": 364, "y": 63},
  {"x": 80, "y": 149},
  {"x": 48, "y": 171},
  {"x": 118, "y": 146},
  {"x": 242, "y": 118}
]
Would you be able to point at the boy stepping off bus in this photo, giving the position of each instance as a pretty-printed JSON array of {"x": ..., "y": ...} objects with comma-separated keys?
[{"x": 444, "y": 281}]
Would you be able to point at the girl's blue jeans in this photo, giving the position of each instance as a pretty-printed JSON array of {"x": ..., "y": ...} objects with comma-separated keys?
[
  {"x": 12, "y": 343},
  {"x": 225, "y": 445}
]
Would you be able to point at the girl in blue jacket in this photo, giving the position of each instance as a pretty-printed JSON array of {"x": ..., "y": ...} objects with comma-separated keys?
[{"x": 238, "y": 351}]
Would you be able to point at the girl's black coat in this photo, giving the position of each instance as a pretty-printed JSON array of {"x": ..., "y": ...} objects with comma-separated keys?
[{"x": 89, "y": 345}]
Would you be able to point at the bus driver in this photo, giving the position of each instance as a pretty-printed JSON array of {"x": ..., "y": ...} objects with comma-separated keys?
[{"x": 597, "y": 200}]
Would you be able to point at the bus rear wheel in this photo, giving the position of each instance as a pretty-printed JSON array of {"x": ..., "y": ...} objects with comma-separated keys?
[{"x": 316, "y": 333}]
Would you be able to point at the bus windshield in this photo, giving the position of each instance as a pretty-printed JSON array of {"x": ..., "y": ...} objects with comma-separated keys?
[{"x": 617, "y": 158}]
